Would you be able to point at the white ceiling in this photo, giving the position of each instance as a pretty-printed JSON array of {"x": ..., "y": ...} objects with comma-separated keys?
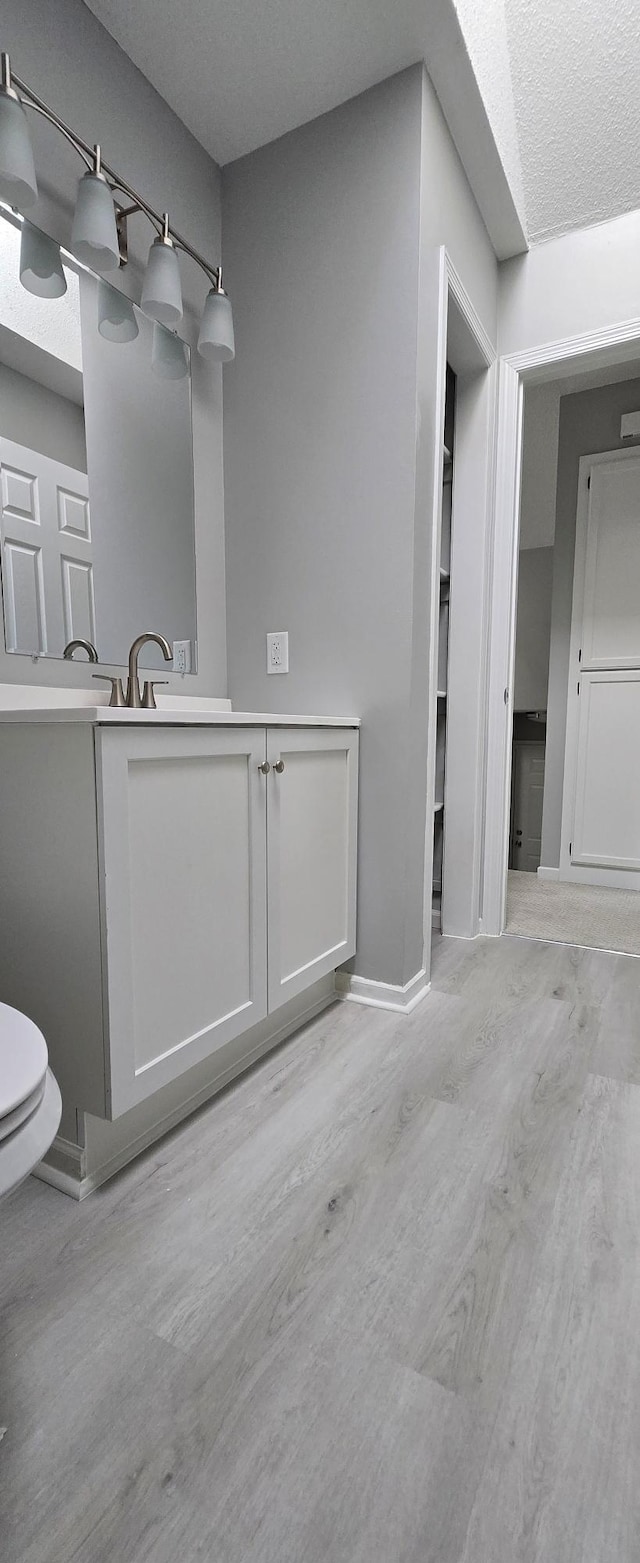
[
  {"x": 576, "y": 83},
  {"x": 541, "y": 96},
  {"x": 241, "y": 72}
]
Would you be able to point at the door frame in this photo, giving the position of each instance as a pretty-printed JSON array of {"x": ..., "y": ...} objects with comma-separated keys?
[
  {"x": 461, "y": 340},
  {"x": 552, "y": 360}
]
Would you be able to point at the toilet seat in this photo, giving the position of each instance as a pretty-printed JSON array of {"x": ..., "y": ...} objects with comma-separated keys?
[
  {"x": 23, "y": 1061},
  {"x": 30, "y": 1104},
  {"x": 20, "y": 1114},
  {"x": 21, "y": 1151}
]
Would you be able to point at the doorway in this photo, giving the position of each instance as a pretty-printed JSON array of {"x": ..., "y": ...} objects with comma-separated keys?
[{"x": 572, "y": 849}]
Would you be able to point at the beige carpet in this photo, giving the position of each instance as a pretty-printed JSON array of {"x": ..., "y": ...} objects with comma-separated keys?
[{"x": 573, "y": 914}]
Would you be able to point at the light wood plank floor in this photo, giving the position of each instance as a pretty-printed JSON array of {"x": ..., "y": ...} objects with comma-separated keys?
[{"x": 379, "y": 1303}]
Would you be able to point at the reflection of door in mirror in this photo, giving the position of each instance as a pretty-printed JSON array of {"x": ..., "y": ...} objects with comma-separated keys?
[{"x": 47, "y": 569}]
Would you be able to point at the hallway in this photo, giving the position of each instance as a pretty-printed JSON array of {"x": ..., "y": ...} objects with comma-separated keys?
[
  {"x": 377, "y": 1303},
  {"x": 592, "y": 916}
]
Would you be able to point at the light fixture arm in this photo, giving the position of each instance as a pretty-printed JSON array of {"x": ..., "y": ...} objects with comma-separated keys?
[
  {"x": 29, "y": 99},
  {"x": 10, "y": 83}
]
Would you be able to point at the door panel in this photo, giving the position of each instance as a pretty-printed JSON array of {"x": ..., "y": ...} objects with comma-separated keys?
[
  {"x": 184, "y": 887},
  {"x": 607, "y": 812},
  {"x": 611, "y": 628},
  {"x": 45, "y": 540},
  {"x": 23, "y": 589},
  {"x": 78, "y": 612},
  {"x": 312, "y": 856}
]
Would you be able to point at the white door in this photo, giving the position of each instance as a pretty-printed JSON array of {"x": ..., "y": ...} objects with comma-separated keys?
[
  {"x": 526, "y": 816},
  {"x": 45, "y": 534},
  {"x": 312, "y": 816},
  {"x": 183, "y": 874},
  {"x": 601, "y": 808}
]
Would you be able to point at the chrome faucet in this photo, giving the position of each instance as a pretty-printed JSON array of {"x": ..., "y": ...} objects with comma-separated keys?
[
  {"x": 80, "y": 645},
  {"x": 146, "y": 700}
]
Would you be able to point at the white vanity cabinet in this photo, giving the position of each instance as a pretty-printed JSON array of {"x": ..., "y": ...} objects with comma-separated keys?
[
  {"x": 311, "y": 836},
  {"x": 166, "y": 887},
  {"x": 182, "y": 822}
]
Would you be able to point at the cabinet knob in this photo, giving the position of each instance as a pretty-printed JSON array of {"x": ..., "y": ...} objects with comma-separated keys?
[
  {"x": 264, "y": 767},
  {"x": 279, "y": 766}
]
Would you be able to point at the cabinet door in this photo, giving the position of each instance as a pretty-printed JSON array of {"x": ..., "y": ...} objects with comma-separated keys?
[
  {"x": 183, "y": 866},
  {"x": 311, "y": 831}
]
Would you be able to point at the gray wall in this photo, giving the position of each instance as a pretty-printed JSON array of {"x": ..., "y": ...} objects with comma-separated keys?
[
  {"x": 34, "y": 416},
  {"x": 533, "y": 629},
  {"x": 331, "y": 238},
  {"x": 539, "y": 466},
  {"x": 73, "y": 63},
  {"x": 589, "y": 422}
]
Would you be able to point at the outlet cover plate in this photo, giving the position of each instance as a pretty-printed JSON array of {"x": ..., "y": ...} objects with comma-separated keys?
[
  {"x": 182, "y": 656},
  {"x": 278, "y": 651}
]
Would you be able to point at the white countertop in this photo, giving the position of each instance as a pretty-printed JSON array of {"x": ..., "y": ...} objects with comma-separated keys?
[{"x": 191, "y": 716}]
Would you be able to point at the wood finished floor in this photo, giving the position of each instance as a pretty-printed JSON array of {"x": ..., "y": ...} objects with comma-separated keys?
[{"x": 379, "y": 1303}]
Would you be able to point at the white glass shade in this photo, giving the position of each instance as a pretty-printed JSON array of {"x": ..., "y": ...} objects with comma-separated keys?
[
  {"x": 216, "y": 339},
  {"x": 161, "y": 290},
  {"x": 169, "y": 356},
  {"x": 40, "y": 264},
  {"x": 116, "y": 315},
  {"x": 17, "y": 172},
  {"x": 94, "y": 236}
]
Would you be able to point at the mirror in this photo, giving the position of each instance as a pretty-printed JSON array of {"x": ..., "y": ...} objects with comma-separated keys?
[{"x": 96, "y": 462}]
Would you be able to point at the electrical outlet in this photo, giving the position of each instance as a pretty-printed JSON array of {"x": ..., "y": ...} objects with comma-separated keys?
[
  {"x": 278, "y": 651},
  {"x": 182, "y": 656}
]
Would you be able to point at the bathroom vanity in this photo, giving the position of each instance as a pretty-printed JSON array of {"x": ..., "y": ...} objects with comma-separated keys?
[
  {"x": 177, "y": 886},
  {"x": 169, "y": 880}
]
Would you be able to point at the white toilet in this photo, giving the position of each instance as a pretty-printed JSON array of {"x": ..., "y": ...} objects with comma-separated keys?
[{"x": 30, "y": 1104}]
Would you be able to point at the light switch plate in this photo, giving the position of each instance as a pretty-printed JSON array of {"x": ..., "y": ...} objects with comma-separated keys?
[{"x": 278, "y": 651}]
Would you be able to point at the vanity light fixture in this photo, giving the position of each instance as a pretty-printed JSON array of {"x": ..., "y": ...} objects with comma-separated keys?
[
  {"x": 94, "y": 236},
  {"x": 161, "y": 290},
  {"x": 216, "y": 339},
  {"x": 17, "y": 170},
  {"x": 169, "y": 358},
  {"x": 99, "y": 234},
  {"x": 116, "y": 315},
  {"x": 41, "y": 270}
]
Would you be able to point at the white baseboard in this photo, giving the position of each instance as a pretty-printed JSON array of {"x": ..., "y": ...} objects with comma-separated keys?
[
  {"x": 383, "y": 995},
  {"x": 65, "y": 1167},
  {"x": 548, "y": 873}
]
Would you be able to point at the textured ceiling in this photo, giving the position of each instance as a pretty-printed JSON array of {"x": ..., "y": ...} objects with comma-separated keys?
[
  {"x": 576, "y": 84},
  {"x": 541, "y": 96},
  {"x": 240, "y": 73},
  {"x": 484, "y": 26}
]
